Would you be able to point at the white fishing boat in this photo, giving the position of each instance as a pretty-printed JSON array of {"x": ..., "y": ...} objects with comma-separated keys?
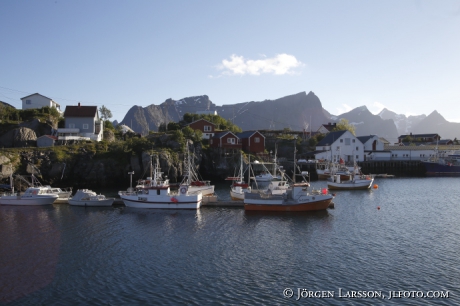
[
  {"x": 357, "y": 181},
  {"x": 157, "y": 194},
  {"x": 32, "y": 196},
  {"x": 63, "y": 195},
  {"x": 239, "y": 186},
  {"x": 86, "y": 197},
  {"x": 265, "y": 175},
  {"x": 192, "y": 180}
]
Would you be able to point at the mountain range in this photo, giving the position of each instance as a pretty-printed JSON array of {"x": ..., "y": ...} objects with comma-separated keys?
[{"x": 298, "y": 112}]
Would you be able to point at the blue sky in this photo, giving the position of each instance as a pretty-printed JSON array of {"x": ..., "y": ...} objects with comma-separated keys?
[{"x": 402, "y": 55}]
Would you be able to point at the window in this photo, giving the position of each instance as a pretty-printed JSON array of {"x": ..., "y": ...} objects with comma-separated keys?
[
  {"x": 28, "y": 102},
  {"x": 347, "y": 141},
  {"x": 353, "y": 140},
  {"x": 231, "y": 140},
  {"x": 257, "y": 140},
  {"x": 338, "y": 148},
  {"x": 85, "y": 126},
  {"x": 357, "y": 148},
  {"x": 207, "y": 128},
  {"x": 341, "y": 140},
  {"x": 357, "y": 157}
]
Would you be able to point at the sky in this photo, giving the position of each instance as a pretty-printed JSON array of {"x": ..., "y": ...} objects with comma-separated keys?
[{"x": 403, "y": 55}]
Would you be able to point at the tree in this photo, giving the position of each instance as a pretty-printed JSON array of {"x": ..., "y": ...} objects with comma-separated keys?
[
  {"x": 106, "y": 114},
  {"x": 343, "y": 125}
]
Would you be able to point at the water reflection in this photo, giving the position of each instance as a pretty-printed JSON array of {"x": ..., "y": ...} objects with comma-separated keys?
[{"x": 29, "y": 250}]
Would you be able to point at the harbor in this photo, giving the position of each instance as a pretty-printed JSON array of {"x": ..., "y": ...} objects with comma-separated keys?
[{"x": 374, "y": 239}]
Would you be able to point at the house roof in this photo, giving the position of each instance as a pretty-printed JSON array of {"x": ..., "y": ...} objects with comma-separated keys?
[
  {"x": 222, "y": 134},
  {"x": 441, "y": 142},
  {"x": 330, "y": 138},
  {"x": 418, "y": 135},
  {"x": 39, "y": 95},
  {"x": 248, "y": 134},
  {"x": 329, "y": 126},
  {"x": 365, "y": 139},
  {"x": 202, "y": 120},
  {"x": 80, "y": 111},
  {"x": 36, "y": 94}
]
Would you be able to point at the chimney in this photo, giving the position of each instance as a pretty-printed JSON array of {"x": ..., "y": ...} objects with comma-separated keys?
[{"x": 78, "y": 104}]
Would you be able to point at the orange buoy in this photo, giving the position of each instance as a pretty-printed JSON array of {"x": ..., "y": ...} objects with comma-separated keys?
[
  {"x": 376, "y": 186},
  {"x": 378, "y": 207}
]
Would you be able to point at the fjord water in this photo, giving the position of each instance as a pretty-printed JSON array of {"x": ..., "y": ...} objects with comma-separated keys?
[{"x": 64, "y": 255}]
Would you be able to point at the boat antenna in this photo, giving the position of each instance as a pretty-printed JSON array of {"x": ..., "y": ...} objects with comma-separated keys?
[{"x": 295, "y": 163}]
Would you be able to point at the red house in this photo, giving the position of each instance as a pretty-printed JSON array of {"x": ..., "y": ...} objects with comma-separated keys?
[
  {"x": 208, "y": 128},
  {"x": 227, "y": 141},
  {"x": 252, "y": 141}
]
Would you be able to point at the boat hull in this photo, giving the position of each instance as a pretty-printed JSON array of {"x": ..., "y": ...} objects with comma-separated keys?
[
  {"x": 236, "y": 196},
  {"x": 326, "y": 176},
  {"x": 27, "y": 201},
  {"x": 163, "y": 202},
  {"x": 205, "y": 190},
  {"x": 309, "y": 206},
  {"x": 89, "y": 203},
  {"x": 436, "y": 169},
  {"x": 358, "y": 185},
  {"x": 257, "y": 202}
]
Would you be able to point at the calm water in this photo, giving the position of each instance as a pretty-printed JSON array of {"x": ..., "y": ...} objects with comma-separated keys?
[{"x": 63, "y": 255}]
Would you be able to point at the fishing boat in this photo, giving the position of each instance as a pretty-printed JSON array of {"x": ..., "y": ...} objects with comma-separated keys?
[
  {"x": 86, "y": 197},
  {"x": 296, "y": 197},
  {"x": 357, "y": 181},
  {"x": 239, "y": 186},
  {"x": 63, "y": 194},
  {"x": 155, "y": 192},
  {"x": 334, "y": 168},
  {"x": 443, "y": 166},
  {"x": 265, "y": 175},
  {"x": 36, "y": 195},
  {"x": 192, "y": 180},
  {"x": 32, "y": 196}
]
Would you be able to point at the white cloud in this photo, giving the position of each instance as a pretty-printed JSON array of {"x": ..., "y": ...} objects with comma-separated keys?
[
  {"x": 377, "y": 107},
  {"x": 278, "y": 65},
  {"x": 344, "y": 109}
]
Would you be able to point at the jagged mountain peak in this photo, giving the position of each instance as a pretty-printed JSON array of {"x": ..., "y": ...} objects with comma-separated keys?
[{"x": 436, "y": 116}]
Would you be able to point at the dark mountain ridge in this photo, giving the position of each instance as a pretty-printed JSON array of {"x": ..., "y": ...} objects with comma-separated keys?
[{"x": 297, "y": 112}]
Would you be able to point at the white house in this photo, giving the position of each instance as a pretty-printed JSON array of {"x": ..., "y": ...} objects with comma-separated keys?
[
  {"x": 372, "y": 143},
  {"x": 340, "y": 144},
  {"x": 81, "y": 122},
  {"x": 37, "y": 100}
]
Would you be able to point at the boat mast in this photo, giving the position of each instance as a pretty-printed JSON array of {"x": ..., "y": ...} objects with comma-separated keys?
[{"x": 295, "y": 163}]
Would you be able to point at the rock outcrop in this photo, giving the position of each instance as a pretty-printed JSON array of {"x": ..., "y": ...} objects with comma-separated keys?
[{"x": 19, "y": 137}]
